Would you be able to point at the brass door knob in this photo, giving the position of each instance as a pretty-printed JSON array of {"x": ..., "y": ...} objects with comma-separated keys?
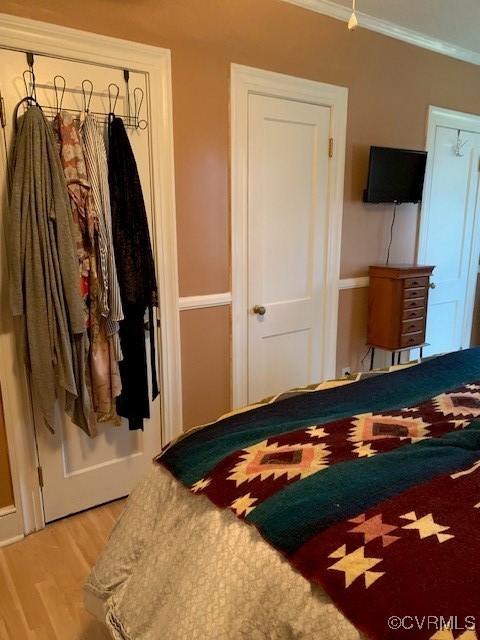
[
  {"x": 259, "y": 310},
  {"x": 432, "y": 285}
]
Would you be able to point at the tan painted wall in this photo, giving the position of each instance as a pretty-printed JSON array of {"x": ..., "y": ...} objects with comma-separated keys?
[
  {"x": 352, "y": 322},
  {"x": 6, "y": 491},
  {"x": 206, "y": 363},
  {"x": 390, "y": 86},
  {"x": 475, "y": 337}
]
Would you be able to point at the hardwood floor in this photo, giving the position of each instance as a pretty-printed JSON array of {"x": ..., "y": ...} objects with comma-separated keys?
[{"x": 41, "y": 578}]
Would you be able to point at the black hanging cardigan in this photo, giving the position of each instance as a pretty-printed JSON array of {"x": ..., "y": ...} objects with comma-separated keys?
[{"x": 136, "y": 276}]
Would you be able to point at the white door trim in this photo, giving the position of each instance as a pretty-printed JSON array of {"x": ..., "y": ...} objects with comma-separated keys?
[
  {"x": 61, "y": 42},
  {"x": 438, "y": 116},
  {"x": 246, "y": 80}
]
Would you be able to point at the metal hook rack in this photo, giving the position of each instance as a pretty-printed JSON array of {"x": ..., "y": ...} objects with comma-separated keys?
[
  {"x": 30, "y": 91},
  {"x": 58, "y": 103},
  {"x": 59, "y": 85},
  {"x": 86, "y": 101},
  {"x": 141, "y": 123},
  {"x": 113, "y": 93}
]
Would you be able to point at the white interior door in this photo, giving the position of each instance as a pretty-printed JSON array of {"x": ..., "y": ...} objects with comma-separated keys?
[
  {"x": 287, "y": 206},
  {"x": 448, "y": 235},
  {"x": 79, "y": 472}
]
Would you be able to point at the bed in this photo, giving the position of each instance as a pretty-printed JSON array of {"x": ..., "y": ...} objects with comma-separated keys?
[{"x": 343, "y": 511}]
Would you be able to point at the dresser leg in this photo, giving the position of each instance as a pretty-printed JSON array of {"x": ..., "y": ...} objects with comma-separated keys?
[
  {"x": 393, "y": 358},
  {"x": 371, "y": 358}
]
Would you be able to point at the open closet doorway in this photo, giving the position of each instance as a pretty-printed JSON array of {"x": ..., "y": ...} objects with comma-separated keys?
[
  {"x": 449, "y": 234},
  {"x": 77, "y": 472}
]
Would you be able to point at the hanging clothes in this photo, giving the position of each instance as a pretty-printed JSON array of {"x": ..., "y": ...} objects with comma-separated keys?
[
  {"x": 106, "y": 307},
  {"x": 84, "y": 224},
  {"x": 136, "y": 276},
  {"x": 43, "y": 265},
  {"x": 97, "y": 170}
]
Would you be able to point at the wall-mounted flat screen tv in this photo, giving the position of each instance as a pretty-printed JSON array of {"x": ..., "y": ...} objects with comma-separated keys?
[{"x": 395, "y": 175}]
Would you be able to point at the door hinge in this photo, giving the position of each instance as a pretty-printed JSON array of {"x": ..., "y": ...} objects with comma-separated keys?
[
  {"x": 330, "y": 147},
  {"x": 40, "y": 476},
  {"x": 3, "y": 119}
]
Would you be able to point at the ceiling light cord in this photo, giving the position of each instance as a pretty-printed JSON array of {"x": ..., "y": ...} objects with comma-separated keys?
[
  {"x": 391, "y": 231},
  {"x": 353, "y": 22}
]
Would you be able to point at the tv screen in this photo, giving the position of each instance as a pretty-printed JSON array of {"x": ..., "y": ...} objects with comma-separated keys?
[{"x": 395, "y": 175}]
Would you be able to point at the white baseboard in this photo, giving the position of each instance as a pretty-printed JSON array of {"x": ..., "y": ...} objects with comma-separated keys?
[
  {"x": 5, "y": 543},
  {"x": 11, "y": 529}
]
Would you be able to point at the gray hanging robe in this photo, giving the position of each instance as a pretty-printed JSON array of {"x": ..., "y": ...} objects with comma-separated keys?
[{"x": 43, "y": 265}]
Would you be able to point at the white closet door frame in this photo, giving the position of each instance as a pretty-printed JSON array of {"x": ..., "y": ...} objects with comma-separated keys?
[
  {"x": 61, "y": 42},
  {"x": 244, "y": 81},
  {"x": 438, "y": 117}
]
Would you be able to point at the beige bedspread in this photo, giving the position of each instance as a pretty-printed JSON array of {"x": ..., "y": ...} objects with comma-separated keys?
[{"x": 178, "y": 568}]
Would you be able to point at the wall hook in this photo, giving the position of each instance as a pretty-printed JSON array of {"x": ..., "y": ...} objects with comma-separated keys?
[
  {"x": 113, "y": 93},
  {"x": 58, "y": 103},
  {"x": 89, "y": 91}
]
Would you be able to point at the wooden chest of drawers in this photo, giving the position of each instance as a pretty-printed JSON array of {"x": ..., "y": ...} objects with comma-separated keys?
[{"x": 397, "y": 305}]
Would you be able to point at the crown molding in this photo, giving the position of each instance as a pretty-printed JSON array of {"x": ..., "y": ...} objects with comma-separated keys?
[{"x": 386, "y": 28}]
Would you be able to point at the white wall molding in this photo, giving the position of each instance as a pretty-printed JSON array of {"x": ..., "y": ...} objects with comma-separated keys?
[
  {"x": 6, "y": 511},
  {"x": 7, "y": 541},
  {"x": 245, "y": 81},
  {"x": 9, "y": 526},
  {"x": 353, "y": 283},
  {"x": 64, "y": 43},
  {"x": 222, "y": 299},
  {"x": 202, "y": 302},
  {"x": 390, "y": 29}
]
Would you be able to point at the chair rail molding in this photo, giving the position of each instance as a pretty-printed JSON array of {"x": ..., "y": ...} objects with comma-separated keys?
[
  {"x": 387, "y": 28},
  {"x": 41, "y": 38},
  {"x": 353, "y": 283},
  {"x": 203, "y": 301},
  {"x": 186, "y": 303}
]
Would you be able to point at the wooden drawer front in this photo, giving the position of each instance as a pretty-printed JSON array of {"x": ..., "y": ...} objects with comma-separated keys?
[
  {"x": 414, "y": 303},
  {"x": 411, "y": 326},
  {"x": 413, "y": 314},
  {"x": 409, "y": 294},
  {"x": 412, "y": 283},
  {"x": 411, "y": 339}
]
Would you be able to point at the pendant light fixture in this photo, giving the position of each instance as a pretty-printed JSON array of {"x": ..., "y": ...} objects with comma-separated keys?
[{"x": 353, "y": 22}]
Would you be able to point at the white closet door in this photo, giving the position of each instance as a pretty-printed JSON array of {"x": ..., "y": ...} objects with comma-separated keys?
[
  {"x": 79, "y": 472},
  {"x": 448, "y": 238},
  {"x": 288, "y": 170}
]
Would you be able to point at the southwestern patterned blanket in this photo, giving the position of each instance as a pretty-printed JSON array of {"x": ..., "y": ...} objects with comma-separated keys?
[{"x": 371, "y": 490}]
